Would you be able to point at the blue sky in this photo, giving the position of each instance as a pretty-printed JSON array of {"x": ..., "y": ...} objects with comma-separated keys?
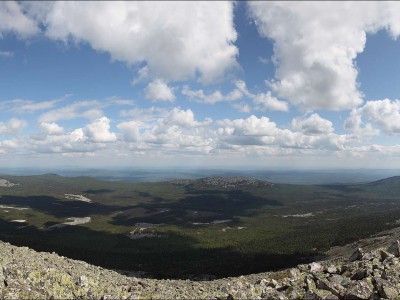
[{"x": 200, "y": 84}]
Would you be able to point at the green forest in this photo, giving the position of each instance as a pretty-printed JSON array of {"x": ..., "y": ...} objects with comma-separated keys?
[{"x": 191, "y": 229}]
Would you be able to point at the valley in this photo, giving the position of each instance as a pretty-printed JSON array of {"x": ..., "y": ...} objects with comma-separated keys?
[{"x": 194, "y": 228}]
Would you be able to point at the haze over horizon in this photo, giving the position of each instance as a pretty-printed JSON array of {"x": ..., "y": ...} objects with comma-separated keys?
[{"x": 296, "y": 85}]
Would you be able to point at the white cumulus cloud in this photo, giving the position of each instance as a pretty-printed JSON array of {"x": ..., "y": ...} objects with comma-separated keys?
[
  {"x": 255, "y": 131},
  {"x": 315, "y": 46},
  {"x": 130, "y": 130},
  {"x": 99, "y": 131},
  {"x": 265, "y": 101},
  {"x": 13, "y": 19},
  {"x": 313, "y": 125},
  {"x": 260, "y": 101},
  {"x": 183, "y": 118},
  {"x": 159, "y": 90},
  {"x": 176, "y": 39},
  {"x": 52, "y": 128},
  {"x": 384, "y": 114},
  {"x": 12, "y": 126}
]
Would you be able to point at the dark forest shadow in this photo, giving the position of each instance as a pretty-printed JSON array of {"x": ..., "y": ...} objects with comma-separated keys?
[
  {"x": 116, "y": 251},
  {"x": 58, "y": 208}
]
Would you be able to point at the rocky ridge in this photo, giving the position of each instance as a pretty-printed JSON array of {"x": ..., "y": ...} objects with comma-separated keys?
[
  {"x": 373, "y": 274},
  {"x": 6, "y": 183},
  {"x": 223, "y": 182}
]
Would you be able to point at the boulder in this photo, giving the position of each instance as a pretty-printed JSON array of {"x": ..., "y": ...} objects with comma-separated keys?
[
  {"x": 332, "y": 269},
  {"x": 310, "y": 283},
  {"x": 320, "y": 295},
  {"x": 294, "y": 273},
  {"x": 368, "y": 256},
  {"x": 335, "y": 289},
  {"x": 385, "y": 254},
  {"x": 338, "y": 279},
  {"x": 386, "y": 289},
  {"x": 362, "y": 289},
  {"x": 359, "y": 274},
  {"x": 395, "y": 248},
  {"x": 357, "y": 255},
  {"x": 316, "y": 267}
]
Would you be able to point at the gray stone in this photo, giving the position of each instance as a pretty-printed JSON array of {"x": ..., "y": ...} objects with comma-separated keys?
[
  {"x": 359, "y": 274},
  {"x": 389, "y": 292},
  {"x": 316, "y": 267},
  {"x": 386, "y": 289},
  {"x": 294, "y": 273},
  {"x": 357, "y": 255},
  {"x": 360, "y": 290},
  {"x": 332, "y": 269},
  {"x": 395, "y": 248},
  {"x": 338, "y": 279},
  {"x": 2, "y": 278},
  {"x": 320, "y": 295},
  {"x": 310, "y": 283},
  {"x": 368, "y": 256},
  {"x": 385, "y": 254},
  {"x": 335, "y": 289}
]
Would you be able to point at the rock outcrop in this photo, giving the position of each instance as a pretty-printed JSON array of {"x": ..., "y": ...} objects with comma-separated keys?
[
  {"x": 223, "y": 182},
  {"x": 6, "y": 183},
  {"x": 374, "y": 274}
]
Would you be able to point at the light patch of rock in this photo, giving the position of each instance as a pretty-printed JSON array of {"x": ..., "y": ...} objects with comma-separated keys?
[
  {"x": 78, "y": 198},
  {"x": 215, "y": 222},
  {"x": 6, "y": 183},
  {"x": 142, "y": 231},
  {"x": 137, "y": 236},
  {"x": 307, "y": 215},
  {"x": 144, "y": 225},
  {"x": 73, "y": 221},
  {"x": 13, "y": 207}
]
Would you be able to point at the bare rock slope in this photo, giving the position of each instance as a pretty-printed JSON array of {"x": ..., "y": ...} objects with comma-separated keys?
[{"x": 27, "y": 274}]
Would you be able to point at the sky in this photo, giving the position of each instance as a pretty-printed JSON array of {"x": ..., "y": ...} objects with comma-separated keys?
[{"x": 263, "y": 84}]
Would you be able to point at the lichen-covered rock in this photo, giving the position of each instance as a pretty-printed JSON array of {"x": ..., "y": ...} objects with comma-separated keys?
[
  {"x": 334, "y": 288},
  {"x": 294, "y": 273},
  {"x": 362, "y": 289},
  {"x": 386, "y": 289},
  {"x": 320, "y": 295}
]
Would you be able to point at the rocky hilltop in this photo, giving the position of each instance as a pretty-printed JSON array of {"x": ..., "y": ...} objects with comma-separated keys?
[
  {"x": 6, "y": 183},
  {"x": 223, "y": 182},
  {"x": 373, "y": 274}
]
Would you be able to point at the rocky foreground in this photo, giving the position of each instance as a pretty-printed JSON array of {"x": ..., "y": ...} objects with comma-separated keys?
[{"x": 25, "y": 273}]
